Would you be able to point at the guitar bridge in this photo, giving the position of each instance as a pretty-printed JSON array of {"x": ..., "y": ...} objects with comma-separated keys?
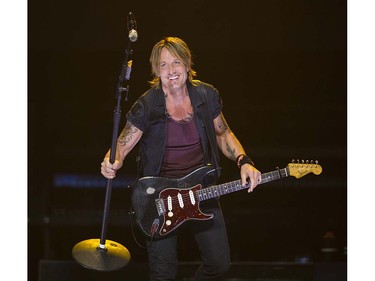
[{"x": 160, "y": 206}]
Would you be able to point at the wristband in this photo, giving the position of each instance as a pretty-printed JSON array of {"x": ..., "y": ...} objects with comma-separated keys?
[{"x": 244, "y": 160}]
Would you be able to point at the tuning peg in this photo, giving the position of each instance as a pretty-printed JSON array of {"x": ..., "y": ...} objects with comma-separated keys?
[
  {"x": 293, "y": 161},
  {"x": 303, "y": 161},
  {"x": 316, "y": 162}
]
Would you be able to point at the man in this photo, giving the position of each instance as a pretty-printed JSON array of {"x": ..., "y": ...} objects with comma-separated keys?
[{"x": 175, "y": 138}]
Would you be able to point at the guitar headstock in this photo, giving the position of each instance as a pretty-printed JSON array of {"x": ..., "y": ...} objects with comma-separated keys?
[{"x": 299, "y": 170}]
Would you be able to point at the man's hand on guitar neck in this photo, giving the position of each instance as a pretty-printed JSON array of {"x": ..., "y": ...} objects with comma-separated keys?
[{"x": 250, "y": 175}]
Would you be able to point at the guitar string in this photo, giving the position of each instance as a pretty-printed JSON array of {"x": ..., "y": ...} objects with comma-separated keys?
[
  {"x": 273, "y": 175},
  {"x": 210, "y": 193},
  {"x": 216, "y": 189},
  {"x": 265, "y": 177}
]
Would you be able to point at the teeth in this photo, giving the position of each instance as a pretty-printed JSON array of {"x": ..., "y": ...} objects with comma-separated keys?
[{"x": 172, "y": 78}]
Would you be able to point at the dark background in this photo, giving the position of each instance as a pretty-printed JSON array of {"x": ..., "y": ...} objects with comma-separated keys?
[{"x": 280, "y": 67}]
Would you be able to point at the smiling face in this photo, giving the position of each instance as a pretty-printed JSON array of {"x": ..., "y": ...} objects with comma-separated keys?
[
  {"x": 166, "y": 50},
  {"x": 172, "y": 71}
]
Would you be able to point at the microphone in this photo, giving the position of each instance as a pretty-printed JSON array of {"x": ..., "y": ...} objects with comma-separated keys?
[{"x": 132, "y": 28}]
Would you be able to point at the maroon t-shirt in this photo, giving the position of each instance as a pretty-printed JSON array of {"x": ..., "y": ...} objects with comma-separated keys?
[{"x": 183, "y": 151}]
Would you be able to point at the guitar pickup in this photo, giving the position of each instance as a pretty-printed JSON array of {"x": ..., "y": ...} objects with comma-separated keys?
[{"x": 160, "y": 206}]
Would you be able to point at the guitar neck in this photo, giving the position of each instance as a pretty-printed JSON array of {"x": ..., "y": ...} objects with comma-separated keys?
[{"x": 233, "y": 186}]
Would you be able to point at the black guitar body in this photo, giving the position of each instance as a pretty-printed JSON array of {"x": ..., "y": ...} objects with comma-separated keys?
[{"x": 163, "y": 204}]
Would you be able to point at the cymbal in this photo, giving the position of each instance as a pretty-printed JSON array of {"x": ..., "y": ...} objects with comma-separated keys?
[{"x": 88, "y": 254}]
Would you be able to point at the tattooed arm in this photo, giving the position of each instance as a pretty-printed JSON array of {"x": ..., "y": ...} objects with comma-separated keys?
[
  {"x": 232, "y": 148},
  {"x": 128, "y": 138},
  {"x": 226, "y": 140}
]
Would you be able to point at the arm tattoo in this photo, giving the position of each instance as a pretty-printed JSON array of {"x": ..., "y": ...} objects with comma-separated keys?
[
  {"x": 231, "y": 152},
  {"x": 222, "y": 123},
  {"x": 127, "y": 134}
]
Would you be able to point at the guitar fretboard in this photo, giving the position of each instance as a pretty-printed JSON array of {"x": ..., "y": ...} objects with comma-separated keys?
[{"x": 233, "y": 186}]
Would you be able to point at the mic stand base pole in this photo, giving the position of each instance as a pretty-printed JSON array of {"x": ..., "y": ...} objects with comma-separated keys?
[{"x": 102, "y": 254}]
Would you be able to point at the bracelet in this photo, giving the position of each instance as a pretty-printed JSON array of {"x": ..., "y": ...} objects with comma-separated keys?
[{"x": 244, "y": 160}]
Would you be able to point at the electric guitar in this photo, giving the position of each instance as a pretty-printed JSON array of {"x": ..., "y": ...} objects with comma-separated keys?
[{"x": 162, "y": 204}]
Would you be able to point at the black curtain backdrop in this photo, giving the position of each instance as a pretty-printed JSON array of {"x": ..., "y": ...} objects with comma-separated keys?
[{"x": 280, "y": 67}]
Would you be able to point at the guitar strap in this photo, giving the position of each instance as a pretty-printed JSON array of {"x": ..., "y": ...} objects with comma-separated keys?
[{"x": 208, "y": 125}]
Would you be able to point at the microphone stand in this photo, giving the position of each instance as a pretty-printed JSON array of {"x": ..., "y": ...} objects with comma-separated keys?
[{"x": 103, "y": 254}]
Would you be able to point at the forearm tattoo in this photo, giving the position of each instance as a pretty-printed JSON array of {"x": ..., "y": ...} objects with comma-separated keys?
[
  {"x": 223, "y": 127},
  {"x": 231, "y": 152},
  {"x": 127, "y": 134}
]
